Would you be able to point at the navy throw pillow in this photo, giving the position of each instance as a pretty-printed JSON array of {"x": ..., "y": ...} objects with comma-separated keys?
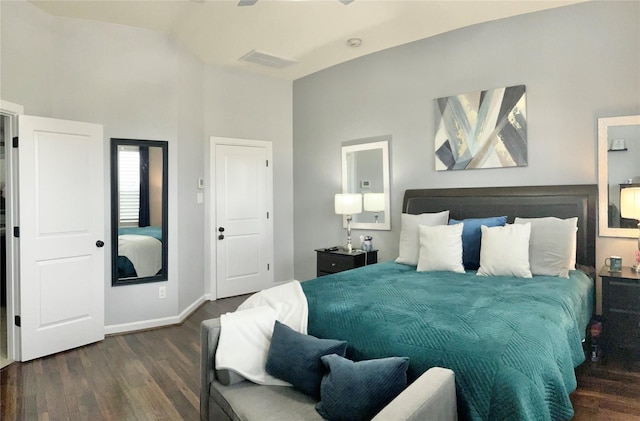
[
  {"x": 472, "y": 236},
  {"x": 295, "y": 358},
  {"x": 354, "y": 391}
]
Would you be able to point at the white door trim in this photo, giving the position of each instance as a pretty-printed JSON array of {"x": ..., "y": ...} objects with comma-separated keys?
[
  {"x": 13, "y": 333},
  {"x": 210, "y": 208}
]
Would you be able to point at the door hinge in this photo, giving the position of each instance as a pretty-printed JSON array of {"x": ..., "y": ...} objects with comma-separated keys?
[
  {"x": 15, "y": 142},
  {"x": 16, "y": 232},
  {"x": 267, "y": 162},
  {"x": 267, "y": 215},
  {"x": 268, "y": 267},
  {"x": 17, "y": 321}
]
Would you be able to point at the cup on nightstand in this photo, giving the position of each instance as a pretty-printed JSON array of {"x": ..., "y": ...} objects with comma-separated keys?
[{"x": 614, "y": 263}]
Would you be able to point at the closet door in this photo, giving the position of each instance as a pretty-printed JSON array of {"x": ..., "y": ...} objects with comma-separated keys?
[
  {"x": 61, "y": 235},
  {"x": 243, "y": 198}
]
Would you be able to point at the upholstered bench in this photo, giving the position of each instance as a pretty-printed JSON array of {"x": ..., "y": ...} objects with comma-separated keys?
[{"x": 225, "y": 396}]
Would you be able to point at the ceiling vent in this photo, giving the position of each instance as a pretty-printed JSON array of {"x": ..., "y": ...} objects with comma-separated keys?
[{"x": 266, "y": 59}]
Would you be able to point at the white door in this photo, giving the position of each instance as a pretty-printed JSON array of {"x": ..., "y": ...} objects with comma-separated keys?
[
  {"x": 61, "y": 238},
  {"x": 244, "y": 238}
]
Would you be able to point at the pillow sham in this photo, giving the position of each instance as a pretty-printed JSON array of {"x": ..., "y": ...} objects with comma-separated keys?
[
  {"x": 409, "y": 234},
  {"x": 353, "y": 391},
  {"x": 295, "y": 358},
  {"x": 505, "y": 251},
  {"x": 441, "y": 248},
  {"x": 472, "y": 238},
  {"x": 551, "y": 245}
]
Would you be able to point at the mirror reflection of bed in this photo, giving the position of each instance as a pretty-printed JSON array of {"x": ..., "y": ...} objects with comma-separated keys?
[
  {"x": 139, "y": 210},
  {"x": 139, "y": 251}
]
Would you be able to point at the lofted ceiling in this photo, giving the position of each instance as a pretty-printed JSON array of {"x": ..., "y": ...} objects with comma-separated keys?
[{"x": 310, "y": 35}]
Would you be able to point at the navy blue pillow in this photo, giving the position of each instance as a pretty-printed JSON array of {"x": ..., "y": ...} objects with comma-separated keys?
[
  {"x": 472, "y": 236},
  {"x": 354, "y": 391},
  {"x": 295, "y": 358}
]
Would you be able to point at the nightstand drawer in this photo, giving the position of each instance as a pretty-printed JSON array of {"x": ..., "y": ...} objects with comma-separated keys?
[
  {"x": 337, "y": 260},
  {"x": 333, "y": 263},
  {"x": 623, "y": 328},
  {"x": 621, "y": 295}
]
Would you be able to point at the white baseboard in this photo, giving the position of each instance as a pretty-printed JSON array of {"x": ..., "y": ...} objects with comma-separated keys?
[
  {"x": 283, "y": 282},
  {"x": 165, "y": 321},
  {"x": 212, "y": 296},
  {"x": 155, "y": 323}
]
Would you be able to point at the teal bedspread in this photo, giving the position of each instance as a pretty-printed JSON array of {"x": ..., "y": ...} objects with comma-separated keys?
[
  {"x": 513, "y": 343},
  {"x": 155, "y": 232}
]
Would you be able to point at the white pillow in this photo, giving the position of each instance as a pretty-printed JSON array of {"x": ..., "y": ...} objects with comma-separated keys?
[
  {"x": 552, "y": 245},
  {"x": 409, "y": 235},
  {"x": 441, "y": 248},
  {"x": 505, "y": 251}
]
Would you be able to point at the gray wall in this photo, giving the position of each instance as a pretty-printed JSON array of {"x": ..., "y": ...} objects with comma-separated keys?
[
  {"x": 578, "y": 63},
  {"x": 258, "y": 107},
  {"x": 141, "y": 84}
]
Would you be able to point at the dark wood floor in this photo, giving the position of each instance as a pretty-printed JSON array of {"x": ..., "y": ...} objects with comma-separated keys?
[
  {"x": 150, "y": 375},
  {"x": 607, "y": 390},
  {"x": 154, "y": 375}
]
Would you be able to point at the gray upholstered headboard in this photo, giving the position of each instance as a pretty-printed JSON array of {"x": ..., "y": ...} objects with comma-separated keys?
[{"x": 527, "y": 202}]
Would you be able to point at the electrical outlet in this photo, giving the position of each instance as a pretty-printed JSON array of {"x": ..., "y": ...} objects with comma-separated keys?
[{"x": 162, "y": 292}]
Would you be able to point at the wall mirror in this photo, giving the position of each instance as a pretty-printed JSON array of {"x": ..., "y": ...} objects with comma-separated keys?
[
  {"x": 138, "y": 211},
  {"x": 365, "y": 170},
  {"x": 618, "y": 169}
]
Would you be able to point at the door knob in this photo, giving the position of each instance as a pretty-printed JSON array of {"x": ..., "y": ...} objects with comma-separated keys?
[
  {"x": 221, "y": 237},
  {"x": 221, "y": 229},
  {"x": 99, "y": 243}
]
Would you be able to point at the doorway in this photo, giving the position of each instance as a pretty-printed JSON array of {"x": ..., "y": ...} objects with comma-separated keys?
[
  {"x": 18, "y": 294},
  {"x": 5, "y": 137},
  {"x": 242, "y": 218}
]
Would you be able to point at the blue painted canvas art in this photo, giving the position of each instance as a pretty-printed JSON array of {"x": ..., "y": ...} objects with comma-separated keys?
[{"x": 484, "y": 129}]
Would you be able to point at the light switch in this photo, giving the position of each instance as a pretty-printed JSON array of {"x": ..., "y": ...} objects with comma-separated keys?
[
  {"x": 201, "y": 183},
  {"x": 200, "y": 198}
]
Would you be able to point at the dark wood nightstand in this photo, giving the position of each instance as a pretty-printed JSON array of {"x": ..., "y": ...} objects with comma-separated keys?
[
  {"x": 621, "y": 310},
  {"x": 334, "y": 261}
]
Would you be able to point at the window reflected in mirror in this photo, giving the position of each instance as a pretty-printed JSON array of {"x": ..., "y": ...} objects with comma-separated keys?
[{"x": 139, "y": 211}]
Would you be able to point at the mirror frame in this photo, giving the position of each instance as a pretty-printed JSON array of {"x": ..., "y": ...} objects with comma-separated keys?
[
  {"x": 603, "y": 175},
  {"x": 163, "y": 275},
  {"x": 349, "y": 147}
]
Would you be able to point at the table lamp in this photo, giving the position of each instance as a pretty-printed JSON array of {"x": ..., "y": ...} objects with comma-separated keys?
[
  {"x": 374, "y": 202},
  {"x": 630, "y": 208},
  {"x": 348, "y": 204}
]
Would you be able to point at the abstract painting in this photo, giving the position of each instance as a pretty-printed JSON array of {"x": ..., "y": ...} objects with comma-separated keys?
[{"x": 485, "y": 129}]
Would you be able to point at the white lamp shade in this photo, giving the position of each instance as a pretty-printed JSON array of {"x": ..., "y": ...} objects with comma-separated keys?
[
  {"x": 374, "y": 202},
  {"x": 348, "y": 203},
  {"x": 630, "y": 202}
]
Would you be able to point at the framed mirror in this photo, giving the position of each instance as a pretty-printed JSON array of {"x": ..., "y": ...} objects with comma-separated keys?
[
  {"x": 139, "y": 217},
  {"x": 365, "y": 170},
  {"x": 618, "y": 169}
]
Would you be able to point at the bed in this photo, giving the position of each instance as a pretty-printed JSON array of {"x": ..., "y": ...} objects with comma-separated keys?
[
  {"x": 513, "y": 343},
  {"x": 139, "y": 251}
]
